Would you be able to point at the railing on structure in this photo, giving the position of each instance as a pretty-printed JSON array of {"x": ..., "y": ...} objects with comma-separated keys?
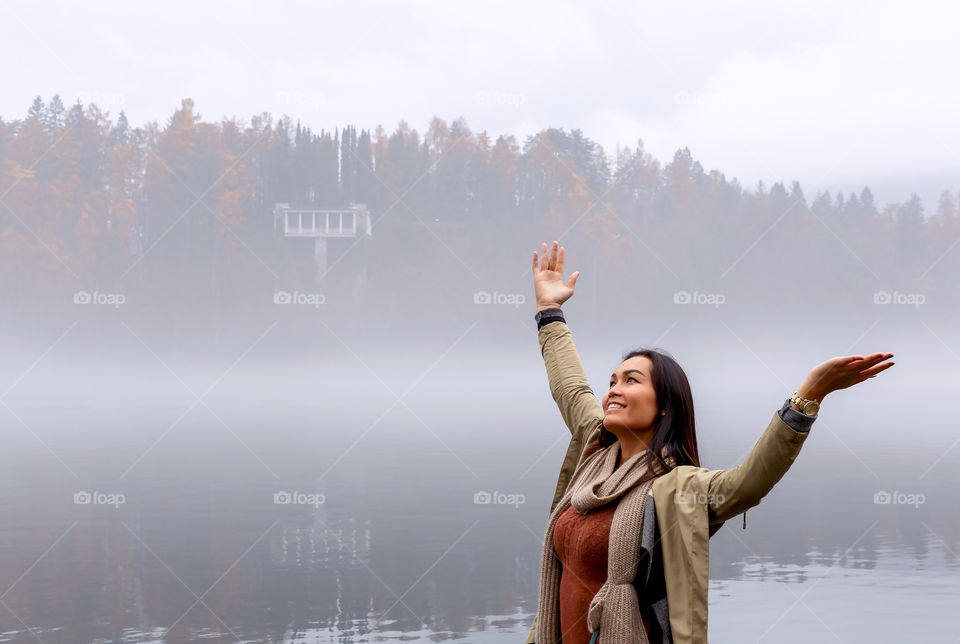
[{"x": 323, "y": 223}]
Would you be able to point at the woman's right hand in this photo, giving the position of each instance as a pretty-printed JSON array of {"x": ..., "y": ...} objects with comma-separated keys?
[{"x": 548, "y": 282}]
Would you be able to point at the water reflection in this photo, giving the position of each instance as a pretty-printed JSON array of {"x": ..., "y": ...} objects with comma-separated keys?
[{"x": 404, "y": 545}]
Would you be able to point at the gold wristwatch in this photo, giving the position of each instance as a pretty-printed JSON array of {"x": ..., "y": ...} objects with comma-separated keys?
[{"x": 808, "y": 407}]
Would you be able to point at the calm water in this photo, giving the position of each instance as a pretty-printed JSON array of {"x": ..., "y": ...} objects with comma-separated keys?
[{"x": 383, "y": 539}]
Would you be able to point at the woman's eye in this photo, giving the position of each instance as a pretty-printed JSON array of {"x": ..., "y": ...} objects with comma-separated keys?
[{"x": 632, "y": 378}]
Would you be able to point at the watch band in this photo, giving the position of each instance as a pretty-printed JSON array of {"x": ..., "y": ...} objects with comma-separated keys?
[
  {"x": 546, "y": 316},
  {"x": 808, "y": 407}
]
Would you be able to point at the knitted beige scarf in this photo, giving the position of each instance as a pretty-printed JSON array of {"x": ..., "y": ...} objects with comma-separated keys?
[{"x": 615, "y": 609}]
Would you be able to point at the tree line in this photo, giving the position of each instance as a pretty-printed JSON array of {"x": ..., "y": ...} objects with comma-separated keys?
[{"x": 85, "y": 200}]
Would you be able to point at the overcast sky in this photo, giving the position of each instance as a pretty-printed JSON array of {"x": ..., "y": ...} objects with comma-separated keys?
[{"x": 835, "y": 96}]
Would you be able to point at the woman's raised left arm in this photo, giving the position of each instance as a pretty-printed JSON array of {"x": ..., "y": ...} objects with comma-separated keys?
[{"x": 739, "y": 488}]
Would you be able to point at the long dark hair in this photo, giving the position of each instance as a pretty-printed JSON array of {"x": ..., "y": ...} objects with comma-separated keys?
[{"x": 676, "y": 429}]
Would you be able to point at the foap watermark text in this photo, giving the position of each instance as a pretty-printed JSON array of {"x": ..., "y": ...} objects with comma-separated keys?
[
  {"x": 698, "y": 498},
  {"x": 896, "y": 297},
  {"x": 696, "y": 297},
  {"x": 298, "y": 498},
  {"x": 99, "y": 498},
  {"x": 499, "y": 98},
  {"x": 302, "y": 299},
  {"x": 498, "y": 498},
  {"x": 511, "y": 299},
  {"x": 104, "y": 299},
  {"x": 899, "y": 498}
]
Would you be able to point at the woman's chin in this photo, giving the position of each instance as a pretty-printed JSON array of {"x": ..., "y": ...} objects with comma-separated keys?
[{"x": 611, "y": 423}]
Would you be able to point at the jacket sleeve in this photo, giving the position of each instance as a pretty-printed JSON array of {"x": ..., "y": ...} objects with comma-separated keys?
[
  {"x": 739, "y": 488},
  {"x": 578, "y": 404}
]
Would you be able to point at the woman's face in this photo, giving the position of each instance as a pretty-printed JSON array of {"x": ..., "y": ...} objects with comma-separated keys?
[{"x": 630, "y": 402}]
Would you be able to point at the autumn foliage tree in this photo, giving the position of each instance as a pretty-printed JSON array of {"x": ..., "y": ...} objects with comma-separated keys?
[{"x": 186, "y": 207}]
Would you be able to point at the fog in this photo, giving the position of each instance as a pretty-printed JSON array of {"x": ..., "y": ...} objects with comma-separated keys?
[
  {"x": 275, "y": 377},
  {"x": 397, "y": 429}
]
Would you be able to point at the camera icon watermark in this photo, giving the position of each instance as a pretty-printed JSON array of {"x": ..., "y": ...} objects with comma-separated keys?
[
  {"x": 898, "y": 498},
  {"x": 710, "y": 299},
  {"x": 498, "y": 498},
  {"x": 104, "y": 299},
  {"x": 511, "y": 299},
  {"x": 99, "y": 498},
  {"x": 298, "y": 298},
  {"x": 910, "y": 299},
  {"x": 298, "y": 498}
]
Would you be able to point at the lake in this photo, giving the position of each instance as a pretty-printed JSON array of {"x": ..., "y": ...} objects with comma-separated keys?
[{"x": 402, "y": 496}]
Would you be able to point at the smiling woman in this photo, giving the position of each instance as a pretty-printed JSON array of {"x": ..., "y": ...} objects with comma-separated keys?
[
  {"x": 650, "y": 390},
  {"x": 626, "y": 550}
]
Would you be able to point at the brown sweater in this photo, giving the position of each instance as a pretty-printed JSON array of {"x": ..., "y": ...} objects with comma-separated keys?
[{"x": 582, "y": 543}]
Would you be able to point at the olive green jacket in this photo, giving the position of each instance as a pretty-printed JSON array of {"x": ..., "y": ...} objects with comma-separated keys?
[{"x": 691, "y": 502}]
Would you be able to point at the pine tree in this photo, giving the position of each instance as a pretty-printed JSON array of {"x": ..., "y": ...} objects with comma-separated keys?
[
  {"x": 75, "y": 116},
  {"x": 54, "y": 114},
  {"x": 120, "y": 134},
  {"x": 325, "y": 181},
  {"x": 348, "y": 165},
  {"x": 366, "y": 183},
  {"x": 37, "y": 110},
  {"x": 867, "y": 201},
  {"x": 909, "y": 234}
]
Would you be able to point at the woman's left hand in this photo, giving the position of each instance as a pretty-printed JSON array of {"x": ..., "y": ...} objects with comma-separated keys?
[{"x": 842, "y": 372}]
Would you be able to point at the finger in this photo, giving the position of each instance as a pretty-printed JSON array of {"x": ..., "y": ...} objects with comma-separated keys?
[
  {"x": 544, "y": 257},
  {"x": 553, "y": 257},
  {"x": 875, "y": 358},
  {"x": 560, "y": 262},
  {"x": 534, "y": 262},
  {"x": 842, "y": 362},
  {"x": 866, "y": 375},
  {"x": 876, "y": 373},
  {"x": 877, "y": 369},
  {"x": 572, "y": 282},
  {"x": 858, "y": 363}
]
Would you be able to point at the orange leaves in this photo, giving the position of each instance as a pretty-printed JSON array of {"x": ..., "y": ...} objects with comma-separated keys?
[{"x": 229, "y": 209}]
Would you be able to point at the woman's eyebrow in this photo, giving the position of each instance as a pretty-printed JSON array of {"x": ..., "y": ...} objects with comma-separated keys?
[{"x": 614, "y": 374}]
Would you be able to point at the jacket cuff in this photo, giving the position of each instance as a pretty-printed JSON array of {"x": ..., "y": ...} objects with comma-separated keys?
[{"x": 798, "y": 421}]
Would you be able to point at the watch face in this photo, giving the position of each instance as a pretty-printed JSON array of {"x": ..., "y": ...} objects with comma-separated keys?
[{"x": 811, "y": 408}]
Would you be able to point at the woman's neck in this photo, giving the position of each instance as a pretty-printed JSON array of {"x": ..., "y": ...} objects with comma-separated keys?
[{"x": 632, "y": 443}]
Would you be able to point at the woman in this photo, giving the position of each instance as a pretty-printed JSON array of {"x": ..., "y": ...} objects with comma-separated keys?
[{"x": 626, "y": 554}]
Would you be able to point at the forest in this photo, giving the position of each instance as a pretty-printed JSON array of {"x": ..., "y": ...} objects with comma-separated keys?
[{"x": 178, "y": 218}]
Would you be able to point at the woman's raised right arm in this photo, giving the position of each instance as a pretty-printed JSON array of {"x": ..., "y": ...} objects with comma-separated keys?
[
  {"x": 569, "y": 387},
  {"x": 578, "y": 404}
]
